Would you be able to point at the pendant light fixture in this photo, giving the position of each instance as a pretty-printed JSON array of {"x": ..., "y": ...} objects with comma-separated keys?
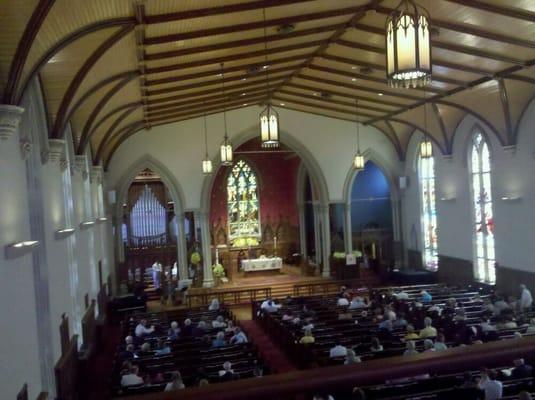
[
  {"x": 358, "y": 160},
  {"x": 226, "y": 146},
  {"x": 206, "y": 163},
  {"x": 426, "y": 147},
  {"x": 269, "y": 118},
  {"x": 408, "y": 46}
]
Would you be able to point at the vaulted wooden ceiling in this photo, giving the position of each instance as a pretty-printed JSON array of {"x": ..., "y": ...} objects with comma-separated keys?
[{"x": 113, "y": 67}]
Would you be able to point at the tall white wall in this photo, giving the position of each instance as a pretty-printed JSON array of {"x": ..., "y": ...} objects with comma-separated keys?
[
  {"x": 512, "y": 176},
  {"x": 37, "y": 288}
]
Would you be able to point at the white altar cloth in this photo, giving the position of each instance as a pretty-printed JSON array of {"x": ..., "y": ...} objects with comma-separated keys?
[{"x": 261, "y": 264}]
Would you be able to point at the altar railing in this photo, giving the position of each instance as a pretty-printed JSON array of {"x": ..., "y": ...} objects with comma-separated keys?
[{"x": 228, "y": 297}]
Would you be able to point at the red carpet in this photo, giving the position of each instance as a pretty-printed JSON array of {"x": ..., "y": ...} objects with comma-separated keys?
[{"x": 269, "y": 351}]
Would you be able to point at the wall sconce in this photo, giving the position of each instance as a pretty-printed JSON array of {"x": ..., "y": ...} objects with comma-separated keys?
[
  {"x": 102, "y": 219},
  {"x": 63, "y": 233},
  {"x": 511, "y": 199},
  {"x": 18, "y": 249},
  {"x": 86, "y": 224},
  {"x": 448, "y": 198}
]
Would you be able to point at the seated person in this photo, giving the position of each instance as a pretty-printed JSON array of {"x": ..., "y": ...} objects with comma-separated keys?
[
  {"x": 214, "y": 305},
  {"x": 175, "y": 384},
  {"x": 357, "y": 302},
  {"x": 429, "y": 330},
  {"x": 132, "y": 378},
  {"x": 270, "y": 306},
  {"x": 128, "y": 340},
  {"x": 342, "y": 302},
  {"x": 428, "y": 345},
  {"x": 200, "y": 329},
  {"x": 307, "y": 338},
  {"x": 440, "y": 343},
  {"x": 308, "y": 324},
  {"x": 239, "y": 337},
  {"x": 493, "y": 388},
  {"x": 162, "y": 348},
  {"x": 376, "y": 345},
  {"x": 144, "y": 350},
  {"x": 142, "y": 330},
  {"x": 219, "y": 340},
  {"x": 230, "y": 326},
  {"x": 227, "y": 372},
  {"x": 521, "y": 369},
  {"x": 400, "y": 321},
  {"x": 401, "y": 295},
  {"x": 411, "y": 333},
  {"x": 128, "y": 353},
  {"x": 531, "y": 327},
  {"x": 426, "y": 296},
  {"x": 187, "y": 329},
  {"x": 410, "y": 348},
  {"x": 219, "y": 322},
  {"x": 486, "y": 326},
  {"x": 174, "y": 331},
  {"x": 338, "y": 350},
  {"x": 351, "y": 358},
  {"x": 288, "y": 316}
]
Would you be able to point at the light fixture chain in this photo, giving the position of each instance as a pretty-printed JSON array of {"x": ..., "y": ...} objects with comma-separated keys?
[{"x": 224, "y": 101}]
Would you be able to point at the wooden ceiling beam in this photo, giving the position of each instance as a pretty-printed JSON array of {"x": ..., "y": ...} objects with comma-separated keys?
[
  {"x": 346, "y": 95},
  {"x": 259, "y": 76},
  {"x": 229, "y": 89},
  {"x": 438, "y": 63},
  {"x": 470, "y": 30},
  {"x": 496, "y": 9},
  {"x": 340, "y": 12},
  {"x": 521, "y": 78},
  {"x": 212, "y": 11},
  {"x": 239, "y": 43},
  {"x": 111, "y": 113},
  {"x": 282, "y": 95},
  {"x": 450, "y": 46},
  {"x": 362, "y": 77},
  {"x": 233, "y": 57},
  {"x": 216, "y": 72},
  {"x": 187, "y": 107},
  {"x": 348, "y": 85}
]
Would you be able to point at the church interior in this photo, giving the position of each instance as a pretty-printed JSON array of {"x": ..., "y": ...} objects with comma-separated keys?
[{"x": 270, "y": 199}]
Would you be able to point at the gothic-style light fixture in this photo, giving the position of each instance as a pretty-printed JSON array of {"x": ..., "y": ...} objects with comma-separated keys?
[
  {"x": 226, "y": 146},
  {"x": 358, "y": 160},
  {"x": 206, "y": 163},
  {"x": 408, "y": 45},
  {"x": 426, "y": 147},
  {"x": 269, "y": 118}
]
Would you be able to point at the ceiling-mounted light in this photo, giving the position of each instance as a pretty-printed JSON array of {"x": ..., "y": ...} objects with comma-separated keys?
[
  {"x": 206, "y": 163},
  {"x": 408, "y": 46},
  {"x": 358, "y": 159},
  {"x": 226, "y": 146},
  {"x": 269, "y": 118}
]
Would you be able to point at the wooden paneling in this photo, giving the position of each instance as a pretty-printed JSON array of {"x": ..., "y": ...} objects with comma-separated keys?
[
  {"x": 415, "y": 259},
  {"x": 508, "y": 280},
  {"x": 455, "y": 271},
  {"x": 66, "y": 371}
]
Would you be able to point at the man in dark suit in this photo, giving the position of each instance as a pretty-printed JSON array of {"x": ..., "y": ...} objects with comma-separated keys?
[{"x": 521, "y": 369}]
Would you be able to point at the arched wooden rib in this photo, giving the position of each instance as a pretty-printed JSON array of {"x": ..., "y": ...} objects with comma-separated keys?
[
  {"x": 66, "y": 42},
  {"x": 113, "y": 112},
  {"x": 416, "y": 127},
  {"x": 392, "y": 137},
  {"x": 504, "y": 100},
  {"x": 129, "y": 129},
  {"x": 109, "y": 133},
  {"x": 23, "y": 49},
  {"x": 521, "y": 116},
  {"x": 61, "y": 121},
  {"x": 440, "y": 120},
  {"x": 86, "y": 136}
]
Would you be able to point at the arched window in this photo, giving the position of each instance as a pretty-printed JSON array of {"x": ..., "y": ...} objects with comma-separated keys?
[
  {"x": 243, "y": 206},
  {"x": 482, "y": 203},
  {"x": 426, "y": 174}
]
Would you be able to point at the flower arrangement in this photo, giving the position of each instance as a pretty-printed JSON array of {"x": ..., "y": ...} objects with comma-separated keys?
[
  {"x": 195, "y": 258},
  {"x": 218, "y": 270}
]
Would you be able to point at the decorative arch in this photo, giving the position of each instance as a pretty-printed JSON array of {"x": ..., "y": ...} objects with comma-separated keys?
[
  {"x": 521, "y": 119},
  {"x": 147, "y": 161}
]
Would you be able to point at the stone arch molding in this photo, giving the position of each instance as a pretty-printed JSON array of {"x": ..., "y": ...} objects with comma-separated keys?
[{"x": 147, "y": 161}]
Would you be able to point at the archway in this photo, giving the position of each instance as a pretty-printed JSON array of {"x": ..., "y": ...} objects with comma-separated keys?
[{"x": 150, "y": 221}]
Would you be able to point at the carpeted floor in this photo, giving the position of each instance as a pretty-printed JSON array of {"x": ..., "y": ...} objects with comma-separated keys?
[{"x": 269, "y": 351}]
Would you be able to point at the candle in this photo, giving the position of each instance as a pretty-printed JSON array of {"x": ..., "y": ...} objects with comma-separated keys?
[{"x": 216, "y": 255}]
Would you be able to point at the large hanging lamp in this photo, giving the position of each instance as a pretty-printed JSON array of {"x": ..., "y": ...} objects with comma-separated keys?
[
  {"x": 269, "y": 118},
  {"x": 426, "y": 147},
  {"x": 358, "y": 159},
  {"x": 408, "y": 45},
  {"x": 206, "y": 163},
  {"x": 226, "y": 146}
]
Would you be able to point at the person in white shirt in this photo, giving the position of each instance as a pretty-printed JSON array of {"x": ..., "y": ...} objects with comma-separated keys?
[
  {"x": 402, "y": 296},
  {"x": 219, "y": 322},
  {"x": 493, "y": 388},
  {"x": 214, "y": 305},
  {"x": 342, "y": 302},
  {"x": 142, "y": 330},
  {"x": 227, "y": 369},
  {"x": 271, "y": 307},
  {"x": 239, "y": 337},
  {"x": 338, "y": 351},
  {"x": 132, "y": 378},
  {"x": 175, "y": 384},
  {"x": 174, "y": 270},
  {"x": 525, "y": 298},
  {"x": 356, "y": 303},
  {"x": 156, "y": 273}
]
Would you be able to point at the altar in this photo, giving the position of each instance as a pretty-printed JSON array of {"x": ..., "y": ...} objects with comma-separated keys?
[{"x": 261, "y": 264}]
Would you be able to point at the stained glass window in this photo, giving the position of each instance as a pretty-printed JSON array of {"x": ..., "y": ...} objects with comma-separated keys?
[
  {"x": 242, "y": 204},
  {"x": 426, "y": 171},
  {"x": 482, "y": 203}
]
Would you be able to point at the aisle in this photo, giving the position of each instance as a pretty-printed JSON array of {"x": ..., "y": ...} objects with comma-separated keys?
[{"x": 269, "y": 351}]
